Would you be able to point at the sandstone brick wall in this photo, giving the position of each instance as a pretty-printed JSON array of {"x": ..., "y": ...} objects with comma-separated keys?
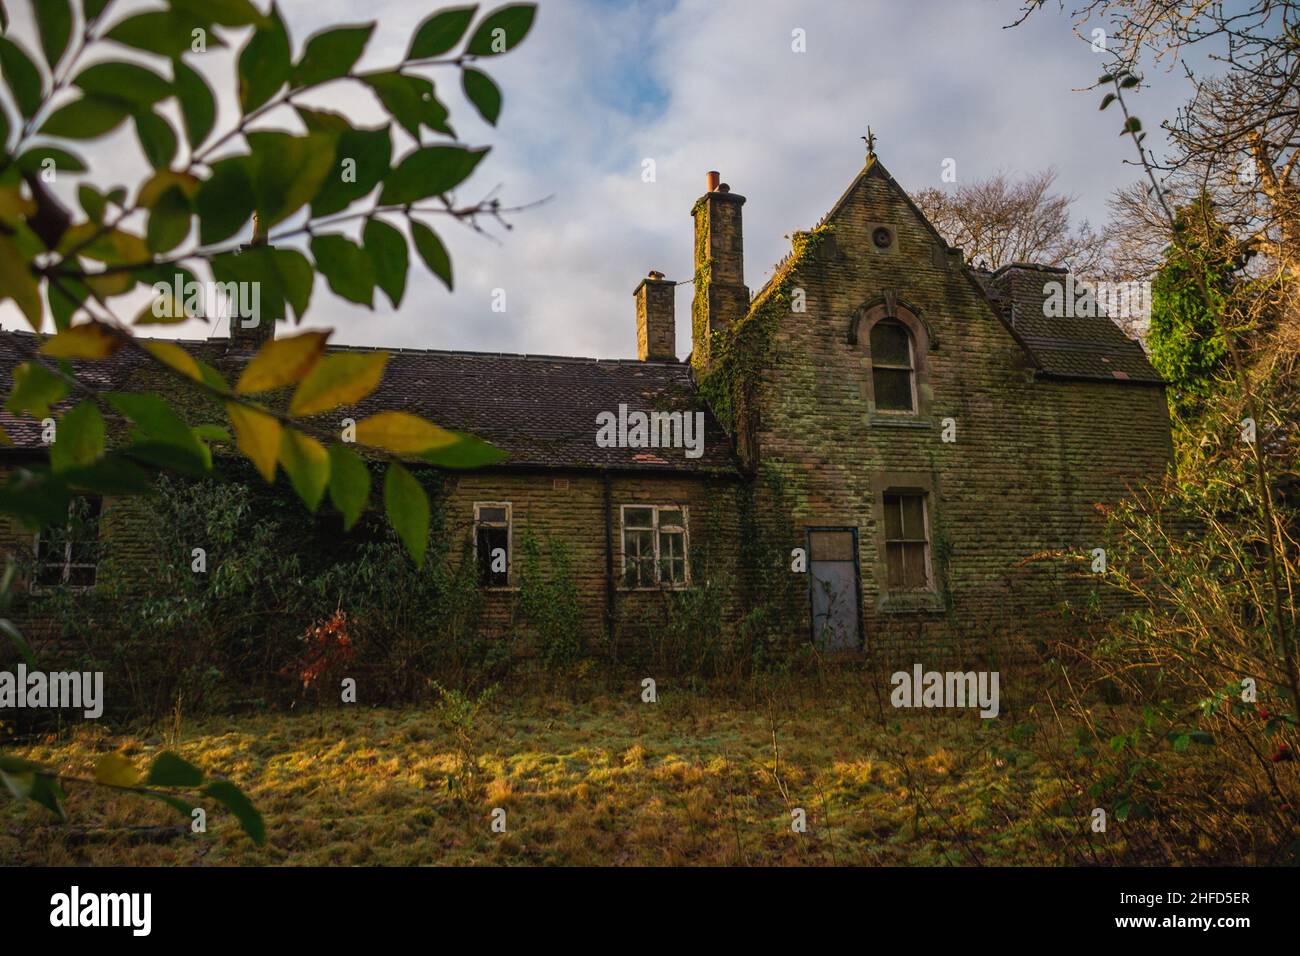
[
  {"x": 1031, "y": 460},
  {"x": 570, "y": 507}
]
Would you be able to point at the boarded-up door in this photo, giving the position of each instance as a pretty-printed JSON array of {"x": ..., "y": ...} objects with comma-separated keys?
[{"x": 833, "y": 587}]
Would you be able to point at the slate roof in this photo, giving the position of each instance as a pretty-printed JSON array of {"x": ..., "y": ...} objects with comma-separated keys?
[
  {"x": 539, "y": 409},
  {"x": 1077, "y": 347}
]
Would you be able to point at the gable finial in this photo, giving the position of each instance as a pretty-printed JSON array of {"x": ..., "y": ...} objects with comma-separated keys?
[{"x": 870, "y": 140}]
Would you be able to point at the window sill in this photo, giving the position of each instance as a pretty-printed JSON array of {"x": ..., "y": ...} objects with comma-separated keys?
[
  {"x": 624, "y": 589},
  {"x": 915, "y": 602},
  {"x": 500, "y": 590},
  {"x": 886, "y": 420}
]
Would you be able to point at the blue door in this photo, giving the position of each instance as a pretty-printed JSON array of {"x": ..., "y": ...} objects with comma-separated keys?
[{"x": 833, "y": 588}]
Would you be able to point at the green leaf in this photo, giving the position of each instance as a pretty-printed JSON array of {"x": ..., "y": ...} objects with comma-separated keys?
[
  {"x": 466, "y": 453},
  {"x": 483, "y": 93},
  {"x": 54, "y": 23},
  {"x": 198, "y": 106},
  {"x": 225, "y": 200},
  {"x": 111, "y": 475},
  {"x": 127, "y": 82},
  {"x": 256, "y": 266},
  {"x": 361, "y": 160},
  {"x": 1182, "y": 742},
  {"x": 169, "y": 221},
  {"x": 386, "y": 247},
  {"x": 1131, "y": 125},
  {"x": 79, "y": 438},
  {"x": 264, "y": 63},
  {"x": 170, "y": 770},
  {"x": 349, "y": 483},
  {"x": 166, "y": 33},
  {"x": 35, "y": 389},
  {"x": 288, "y": 171},
  {"x": 92, "y": 202},
  {"x": 18, "y": 283},
  {"x": 87, "y": 118},
  {"x": 64, "y": 162},
  {"x": 503, "y": 29},
  {"x": 93, "y": 8},
  {"x": 297, "y": 277},
  {"x": 432, "y": 251},
  {"x": 410, "y": 100},
  {"x": 161, "y": 437},
  {"x": 1107, "y": 100},
  {"x": 228, "y": 13},
  {"x": 440, "y": 32},
  {"x": 331, "y": 54},
  {"x": 344, "y": 378},
  {"x": 347, "y": 268},
  {"x": 430, "y": 171},
  {"x": 157, "y": 138},
  {"x": 307, "y": 464},
  {"x": 233, "y": 799},
  {"x": 176, "y": 803},
  {"x": 408, "y": 510},
  {"x": 66, "y": 297},
  {"x": 21, "y": 74}
]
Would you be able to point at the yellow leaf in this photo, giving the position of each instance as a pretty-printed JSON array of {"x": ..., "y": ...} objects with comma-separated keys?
[
  {"x": 172, "y": 354},
  {"x": 257, "y": 435},
  {"x": 342, "y": 379},
  {"x": 18, "y": 283},
  {"x": 116, "y": 771},
  {"x": 165, "y": 309},
  {"x": 108, "y": 284},
  {"x": 402, "y": 433},
  {"x": 13, "y": 205},
  {"x": 282, "y": 362},
  {"x": 90, "y": 340},
  {"x": 307, "y": 464},
  {"x": 163, "y": 180}
]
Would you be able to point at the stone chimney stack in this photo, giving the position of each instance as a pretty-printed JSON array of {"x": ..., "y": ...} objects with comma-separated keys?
[
  {"x": 245, "y": 336},
  {"x": 656, "y": 326},
  {"x": 720, "y": 294}
]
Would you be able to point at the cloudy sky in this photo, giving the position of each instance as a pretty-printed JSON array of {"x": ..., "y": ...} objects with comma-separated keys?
[{"x": 601, "y": 86}]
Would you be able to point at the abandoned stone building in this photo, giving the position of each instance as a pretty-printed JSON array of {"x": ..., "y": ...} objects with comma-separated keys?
[{"x": 889, "y": 435}]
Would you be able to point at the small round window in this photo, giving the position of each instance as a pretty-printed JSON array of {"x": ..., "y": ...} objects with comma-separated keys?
[{"x": 883, "y": 237}]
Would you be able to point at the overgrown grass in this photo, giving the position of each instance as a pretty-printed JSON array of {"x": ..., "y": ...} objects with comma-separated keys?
[{"x": 698, "y": 778}]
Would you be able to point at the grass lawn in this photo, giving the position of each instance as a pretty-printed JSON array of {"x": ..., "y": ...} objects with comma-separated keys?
[{"x": 696, "y": 778}]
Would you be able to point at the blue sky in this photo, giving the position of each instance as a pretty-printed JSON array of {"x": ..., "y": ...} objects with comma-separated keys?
[{"x": 600, "y": 86}]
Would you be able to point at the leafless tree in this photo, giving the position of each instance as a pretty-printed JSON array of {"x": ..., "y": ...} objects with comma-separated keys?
[{"x": 1000, "y": 220}]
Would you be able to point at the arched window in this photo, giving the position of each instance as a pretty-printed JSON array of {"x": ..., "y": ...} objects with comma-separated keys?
[{"x": 893, "y": 367}]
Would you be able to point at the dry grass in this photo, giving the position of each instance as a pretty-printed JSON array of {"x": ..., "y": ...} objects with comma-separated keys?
[{"x": 693, "y": 779}]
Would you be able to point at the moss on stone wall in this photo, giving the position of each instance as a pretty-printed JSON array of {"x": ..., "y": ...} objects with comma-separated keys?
[{"x": 739, "y": 353}]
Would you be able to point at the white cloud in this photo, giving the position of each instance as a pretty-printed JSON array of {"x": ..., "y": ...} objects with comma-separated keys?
[{"x": 712, "y": 84}]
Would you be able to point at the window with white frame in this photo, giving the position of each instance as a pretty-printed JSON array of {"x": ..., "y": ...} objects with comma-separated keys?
[
  {"x": 492, "y": 543},
  {"x": 654, "y": 546},
  {"x": 68, "y": 554}
]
